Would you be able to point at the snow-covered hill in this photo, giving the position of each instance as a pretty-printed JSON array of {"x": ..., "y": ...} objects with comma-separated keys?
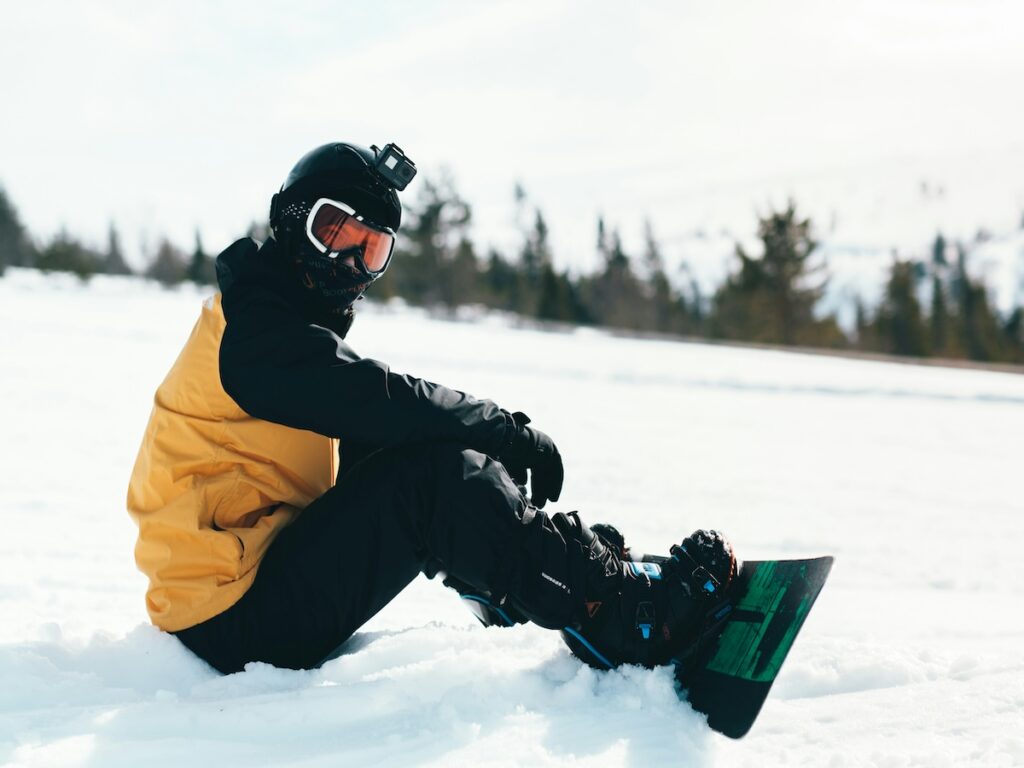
[{"x": 909, "y": 475}]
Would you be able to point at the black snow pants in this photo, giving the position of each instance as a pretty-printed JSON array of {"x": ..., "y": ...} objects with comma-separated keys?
[{"x": 399, "y": 512}]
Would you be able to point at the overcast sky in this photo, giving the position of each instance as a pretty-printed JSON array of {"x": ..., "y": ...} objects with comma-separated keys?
[{"x": 170, "y": 117}]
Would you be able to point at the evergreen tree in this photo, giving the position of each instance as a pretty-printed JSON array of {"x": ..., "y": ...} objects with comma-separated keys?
[
  {"x": 534, "y": 252},
  {"x": 603, "y": 243},
  {"x": 899, "y": 324},
  {"x": 66, "y": 254},
  {"x": 438, "y": 223},
  {"x": 170, "y": 266},
  {"x": 540, "y": 292},
  {"x": 462, "y": 276},
  {"x": 864, "y": 329},
  {"x": 614, "y": 296},
  {"x": 979, "y": 332},
  {"x": 693, "y": 307},
  {"x": 16, "y": 249},
  {"x": 771, "y": 298},
  {"x": 550, "y": 298},
  {"x": 939, "y": 251},
  {"x": 113, "y": 259},
  {"x": 559, "y": 299},
  {"x": 1014, "y": 331},
  {"x": 665, "y": 311},
  {"x": 200, "y": 266},
  {"x": 940, "y": 319},
  {"x": 538, "y": 245},
  {"x": 501, "y": 282}
]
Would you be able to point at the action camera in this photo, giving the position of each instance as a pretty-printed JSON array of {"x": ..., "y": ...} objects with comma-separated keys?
[{"x": 393, "y": 167}]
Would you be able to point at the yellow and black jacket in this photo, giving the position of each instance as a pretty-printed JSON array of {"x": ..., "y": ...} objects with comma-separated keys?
[{"x": 245, "y": 428}]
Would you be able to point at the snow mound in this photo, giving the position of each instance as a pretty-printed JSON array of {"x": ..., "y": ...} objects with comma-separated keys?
[{"x": 457, "y": 695}]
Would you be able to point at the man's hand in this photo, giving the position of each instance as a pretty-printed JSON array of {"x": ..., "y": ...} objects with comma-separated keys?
[{"x": 533, "y": 450}]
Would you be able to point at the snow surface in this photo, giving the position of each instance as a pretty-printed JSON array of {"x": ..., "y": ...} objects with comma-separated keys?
[{"x": 909, "y": 475}]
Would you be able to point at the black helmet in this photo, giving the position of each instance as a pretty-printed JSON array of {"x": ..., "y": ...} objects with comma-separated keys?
[{"x": 345, "y": 172}]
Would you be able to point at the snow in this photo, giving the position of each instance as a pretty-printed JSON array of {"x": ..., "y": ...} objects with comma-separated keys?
[{"x": 909, "y": 475}]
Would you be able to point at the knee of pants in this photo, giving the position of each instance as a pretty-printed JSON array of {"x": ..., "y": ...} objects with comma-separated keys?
[
  {"x": 487, "y": 480},
  {"x": 469, "y": 475},
  {"x": 476, "y": 514}
]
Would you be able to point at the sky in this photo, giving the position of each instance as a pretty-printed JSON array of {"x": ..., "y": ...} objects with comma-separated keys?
[{"x": 883, "y": 120}]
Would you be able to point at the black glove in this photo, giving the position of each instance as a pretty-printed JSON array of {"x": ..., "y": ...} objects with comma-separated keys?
[{"x": 532, "y": 450}]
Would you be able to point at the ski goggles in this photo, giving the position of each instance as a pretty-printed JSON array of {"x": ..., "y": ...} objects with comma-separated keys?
[{"x": 335, "y": 229}]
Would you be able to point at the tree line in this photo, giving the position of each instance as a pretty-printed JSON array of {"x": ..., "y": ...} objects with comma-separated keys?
[{"x": 930, "y": 306}]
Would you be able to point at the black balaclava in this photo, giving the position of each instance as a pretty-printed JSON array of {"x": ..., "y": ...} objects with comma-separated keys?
[{"x": 332, "y": 286}]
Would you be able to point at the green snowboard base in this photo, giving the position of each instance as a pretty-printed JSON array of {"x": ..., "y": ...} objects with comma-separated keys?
[{"x": 731, "y": 673}]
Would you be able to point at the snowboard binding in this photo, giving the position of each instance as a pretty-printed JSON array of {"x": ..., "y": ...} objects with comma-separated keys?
[{"x": 660, "y": 608}]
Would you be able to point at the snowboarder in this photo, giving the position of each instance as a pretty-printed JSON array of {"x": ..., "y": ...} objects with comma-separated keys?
[{"x": 265, "y": 540}]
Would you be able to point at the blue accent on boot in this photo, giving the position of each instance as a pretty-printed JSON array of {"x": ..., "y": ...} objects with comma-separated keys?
[
  {"x": 488, "y": 604},
  {"x": 645, "y": 618},
  {"x": 586, "y": 644},
  {"x": 651, "y": 570}
]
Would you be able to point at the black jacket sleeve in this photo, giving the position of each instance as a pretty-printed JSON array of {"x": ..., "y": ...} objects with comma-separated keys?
[{"x": 279, "y": 367}]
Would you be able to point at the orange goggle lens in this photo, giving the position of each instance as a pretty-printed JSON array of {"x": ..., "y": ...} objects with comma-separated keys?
[{"x": 336, "y": 229}]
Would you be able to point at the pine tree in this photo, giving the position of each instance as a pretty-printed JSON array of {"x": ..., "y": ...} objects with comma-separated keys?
[
  {"x": 1014, "y": 331},
  {"x": 614, "y": 296},
  {"x": 200, "y": 266},
  {"x": 979, "y": 331},
  {"x": 939, "y": 320},
  {"x": 113, "y": 259},
  {"x": 501, "y": 282},
  {"x": 771, "y": 298},
  {"x": 540, "y": 246},
  {"x": 16, "y": 249},
  {"x": 665, "y": 312},
  {"x": 863, "y": 327},
  {"x": 692, "y": 304},
  {"x": 939, "y": 251},
  {"x": 559, "y": 299},
  {"x": 541, "y": 294},
  {"x": 534, "y": 251},
  {"x": 170, "y": 266},
  {"x": 438, "y": 223},
  {"x": 462, "y": 276},
  {"x": 900, "y": 323},
  {"x": 67, "y": 254}
]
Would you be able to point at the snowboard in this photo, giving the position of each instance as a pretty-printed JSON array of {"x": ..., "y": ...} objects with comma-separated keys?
[{"x": 731, "y": 671}]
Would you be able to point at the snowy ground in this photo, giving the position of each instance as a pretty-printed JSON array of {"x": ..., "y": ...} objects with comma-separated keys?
[{"x": 909, "y": 475}]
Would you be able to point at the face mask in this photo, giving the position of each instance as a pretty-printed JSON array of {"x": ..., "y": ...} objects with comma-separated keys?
[{"x": 333, "y": 279}]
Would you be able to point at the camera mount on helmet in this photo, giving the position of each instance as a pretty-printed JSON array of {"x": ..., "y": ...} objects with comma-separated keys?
[{"x": 393, "y": 167}]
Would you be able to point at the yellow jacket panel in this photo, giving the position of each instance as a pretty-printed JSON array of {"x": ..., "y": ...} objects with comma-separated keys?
[{"x": 212, "y": 486}]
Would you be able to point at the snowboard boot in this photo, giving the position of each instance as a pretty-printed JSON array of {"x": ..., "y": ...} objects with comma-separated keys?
[{"x": 648, "y": 611}]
